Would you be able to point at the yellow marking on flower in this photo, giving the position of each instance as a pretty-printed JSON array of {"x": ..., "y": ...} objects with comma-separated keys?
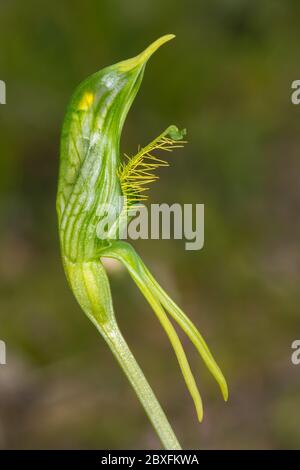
[{"x": 86, "y": 101}]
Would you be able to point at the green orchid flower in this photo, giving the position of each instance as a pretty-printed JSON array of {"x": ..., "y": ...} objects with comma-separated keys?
[{"x": 91, "y": 176}]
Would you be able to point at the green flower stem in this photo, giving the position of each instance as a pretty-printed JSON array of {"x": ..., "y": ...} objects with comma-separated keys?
[
  {"x": 90, "y": 285},
  {"x": 122, "y": 353}
]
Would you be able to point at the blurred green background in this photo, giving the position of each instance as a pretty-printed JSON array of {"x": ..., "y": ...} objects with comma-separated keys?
[{"x": 227, "y": 78}]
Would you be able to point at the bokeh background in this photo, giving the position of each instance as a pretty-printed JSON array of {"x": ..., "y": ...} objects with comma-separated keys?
[{"x": 227, "y": 78}]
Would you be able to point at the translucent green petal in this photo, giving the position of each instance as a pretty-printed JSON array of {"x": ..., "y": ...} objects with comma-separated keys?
[{"x": 89, "y": 154}]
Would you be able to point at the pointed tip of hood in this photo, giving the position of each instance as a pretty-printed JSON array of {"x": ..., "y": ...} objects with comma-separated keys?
[{"x": 142, "y": 58}]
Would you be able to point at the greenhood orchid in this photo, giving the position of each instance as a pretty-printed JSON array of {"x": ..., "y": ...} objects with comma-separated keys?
[{"x": 92, "y": 174}]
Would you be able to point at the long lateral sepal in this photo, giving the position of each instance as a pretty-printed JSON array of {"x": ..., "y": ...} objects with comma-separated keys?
[{"x": 147, "y": 284}]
